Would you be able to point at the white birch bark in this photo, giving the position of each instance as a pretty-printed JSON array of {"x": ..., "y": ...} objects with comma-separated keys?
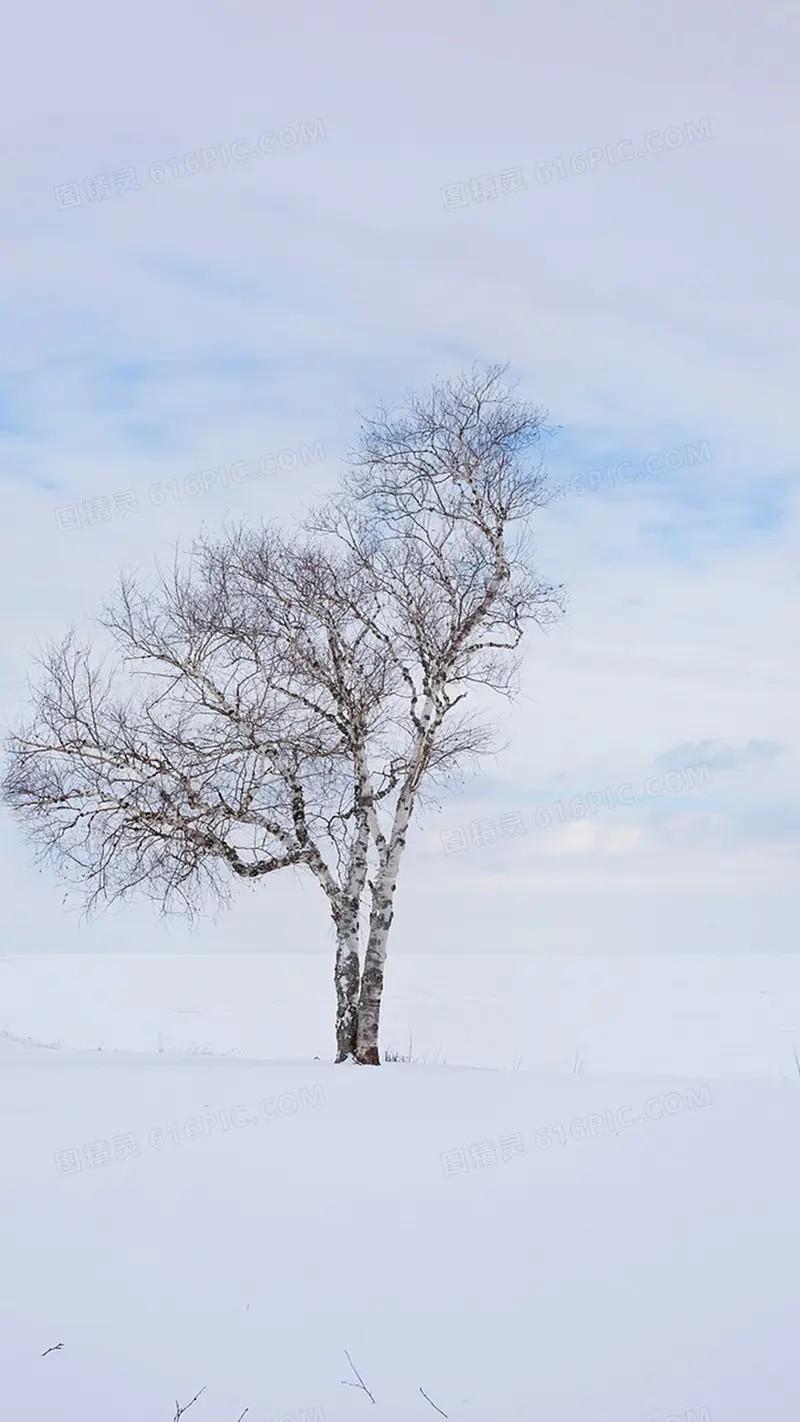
[
  {"x": 347, "y": 970},
  {"x": 383, "y": 891},
  {"x": 381, "y": 915}
]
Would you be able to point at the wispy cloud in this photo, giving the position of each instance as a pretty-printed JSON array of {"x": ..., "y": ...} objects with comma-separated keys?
[{"x": 720, "y": 756}]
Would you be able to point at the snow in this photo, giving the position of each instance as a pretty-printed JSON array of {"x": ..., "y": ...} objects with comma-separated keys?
[
  {"x": 600, "y": 1245},
  {"x": 719, "y": 1015}
]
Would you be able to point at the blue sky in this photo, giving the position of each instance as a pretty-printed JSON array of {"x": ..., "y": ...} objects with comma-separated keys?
[{"x": 255, "y": 306}]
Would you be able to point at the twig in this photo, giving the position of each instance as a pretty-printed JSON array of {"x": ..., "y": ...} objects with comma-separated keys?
[
  {"x": 179, "y": 1411},
  {"x": 242, "y": 1414},
  {"x": 361, "y": 1384},
  {"x": 54, "y": 1349},
  {"x": 432, "y": 1403}
]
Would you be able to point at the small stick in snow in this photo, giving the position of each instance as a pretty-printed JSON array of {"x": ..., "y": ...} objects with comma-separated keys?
[
  {"x": 54, "y": 1349},
  {"x": 360, "y": 1383},
  {"x": 432, "y": 1403},
  {"x": 242, "y": 1414},
  {"x": 179, "y": 1411}
]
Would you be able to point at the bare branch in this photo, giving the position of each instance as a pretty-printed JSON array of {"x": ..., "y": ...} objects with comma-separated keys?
[
  {"x": 179, "y": 1411},
  {"x": 432, "y": 1403},
  {"x": 360, "y": 1384}
]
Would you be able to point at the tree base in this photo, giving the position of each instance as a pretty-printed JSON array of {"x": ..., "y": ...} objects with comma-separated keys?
[{"x": 368, "y": 1056}]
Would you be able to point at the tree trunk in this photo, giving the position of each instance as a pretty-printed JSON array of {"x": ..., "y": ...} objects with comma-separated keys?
[
  {"x": 369, "y": 1008},
  {"x": 346, "y": 909},
  {"x": 380, "y": 921},
  {"x": 346, "y": 979},
  {"x": 369, "y": 1002}
]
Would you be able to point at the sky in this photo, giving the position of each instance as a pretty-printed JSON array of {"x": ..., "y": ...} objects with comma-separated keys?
[{"x": 227, "y": 230}]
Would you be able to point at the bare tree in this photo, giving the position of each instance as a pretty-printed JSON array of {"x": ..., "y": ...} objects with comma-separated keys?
[
  {"x": 330, "y": 673},
  {"x": 277, "y": 702},
  {"x": 436, "y": 516},
  {"x": 199, "y": 751}
]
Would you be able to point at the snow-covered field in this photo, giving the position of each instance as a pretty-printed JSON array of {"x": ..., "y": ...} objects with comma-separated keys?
[
  {"x": 606, "y": 1233},
  {"x": 681, "y": 1015}
]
